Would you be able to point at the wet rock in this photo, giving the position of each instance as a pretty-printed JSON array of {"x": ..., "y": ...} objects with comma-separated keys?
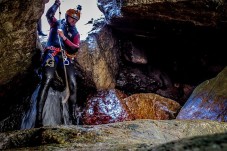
[
  {"x": 106, "y": 107},
  {"x": 152, "y": 106},
  {"x": 128, "y": 135},
  {"x": 208, "y": 100},
  {"x": 133, "y": 80},
  {"x": 111, "y": 106}
]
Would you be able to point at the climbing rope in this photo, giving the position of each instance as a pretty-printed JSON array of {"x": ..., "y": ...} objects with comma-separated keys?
[{"x": 65, "y": 62}]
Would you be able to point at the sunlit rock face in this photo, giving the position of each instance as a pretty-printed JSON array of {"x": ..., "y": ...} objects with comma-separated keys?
[
  {"x": 106, "y": 107},
  {"x": 208, "y": 100},
  {"x": 152, "y": 106},
  {"x": 99, "y": 56},
  {"x": 17, "y": 36}
]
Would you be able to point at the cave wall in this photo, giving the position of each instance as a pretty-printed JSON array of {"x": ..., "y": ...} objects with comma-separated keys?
[
  {"x": 17, "y": 36},
  {"x": 183, "y": 38}
]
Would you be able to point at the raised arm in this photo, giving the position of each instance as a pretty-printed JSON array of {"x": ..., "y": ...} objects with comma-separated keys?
[{"x": 50, "y": 15}]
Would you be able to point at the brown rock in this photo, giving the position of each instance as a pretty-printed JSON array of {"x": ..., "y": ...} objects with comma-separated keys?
[
  {"x": 98, "y": 58},
  {"x": 152, "y": 106},
  {"x": 18, "y": 36}
]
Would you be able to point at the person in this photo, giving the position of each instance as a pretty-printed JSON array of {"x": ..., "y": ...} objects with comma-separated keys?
[
  {"x": 63, "y": 38},
  {"x": 39, "y": 28},
  {"x": 39, "y": 24}
]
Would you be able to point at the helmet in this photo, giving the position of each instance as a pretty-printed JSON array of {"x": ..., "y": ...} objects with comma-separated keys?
[{"x": 74, "y": 13}]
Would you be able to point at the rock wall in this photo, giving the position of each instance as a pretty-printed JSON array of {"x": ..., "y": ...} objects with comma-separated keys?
[{"x": 17, "y": 36}]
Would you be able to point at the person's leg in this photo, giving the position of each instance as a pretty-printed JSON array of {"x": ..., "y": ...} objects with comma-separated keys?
[
  {"x": 73, "y": 91},
  {"x": 39, "y": 28},
  {"x": 47, "y": 76}
]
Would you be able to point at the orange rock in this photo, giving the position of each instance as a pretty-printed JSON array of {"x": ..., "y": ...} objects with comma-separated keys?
[{"x": 152, "y": 106}]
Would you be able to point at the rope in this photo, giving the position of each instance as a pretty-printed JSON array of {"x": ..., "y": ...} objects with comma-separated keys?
[{"x": 64, "y": 57}]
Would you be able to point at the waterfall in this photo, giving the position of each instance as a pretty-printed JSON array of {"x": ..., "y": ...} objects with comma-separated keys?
[{"x": 54, "y": 111}]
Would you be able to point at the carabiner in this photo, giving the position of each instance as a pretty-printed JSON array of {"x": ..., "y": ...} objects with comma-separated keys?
[{"x": 66, "y": 62}]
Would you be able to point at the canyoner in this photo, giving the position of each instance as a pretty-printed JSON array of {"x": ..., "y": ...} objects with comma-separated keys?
[{"x": 59, "y": 56}]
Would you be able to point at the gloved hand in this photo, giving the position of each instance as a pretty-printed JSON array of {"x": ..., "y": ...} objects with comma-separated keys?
[
  {"x": 58, "y": 2},
  {"x": 79, "y": 7},
  {"x": 61, "y": 34}
]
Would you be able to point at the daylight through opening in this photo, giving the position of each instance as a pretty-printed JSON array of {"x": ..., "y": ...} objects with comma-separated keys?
[{"x": 89, "y": 11}]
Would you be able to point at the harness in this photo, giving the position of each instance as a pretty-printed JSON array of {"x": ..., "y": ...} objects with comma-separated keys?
[{"x": 56, "y": 50}]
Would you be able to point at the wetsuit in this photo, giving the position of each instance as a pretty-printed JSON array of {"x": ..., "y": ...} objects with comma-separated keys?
[{"x": 53, "y": 59}]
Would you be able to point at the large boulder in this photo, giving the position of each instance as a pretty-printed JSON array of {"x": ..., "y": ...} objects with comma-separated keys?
[
  {"x": 130, "y": 135},
  {"x": 98, "y": 58},
  {"x": 111, "y": 106},
  {"x": 208, "y": 100},
  {"x": 18, "y": 36}
]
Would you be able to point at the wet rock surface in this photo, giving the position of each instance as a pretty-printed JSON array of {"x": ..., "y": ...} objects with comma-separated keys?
[
  {"x": 111, "y": 106},
  {"x": 106, "y": 107},
  {"x": 131, "y": 135},
  {"x": 208, "y": 100}
]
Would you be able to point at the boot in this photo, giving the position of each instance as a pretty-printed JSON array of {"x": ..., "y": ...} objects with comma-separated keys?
[
  {"x": 40, "y": 33},
  {"x": 41, "y": 99},
  {"x": 72, "y": 112},
  {"x": 39, "y": 121}
]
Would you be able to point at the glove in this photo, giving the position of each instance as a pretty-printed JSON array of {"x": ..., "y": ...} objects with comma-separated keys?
[
  {"x": 61, "y": 34},
  {"x": 57, "y": 2},
  {"x": 79, "y": 7}
]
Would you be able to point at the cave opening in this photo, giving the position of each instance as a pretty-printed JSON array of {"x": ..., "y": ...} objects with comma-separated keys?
[
  {"x": 89, "y": 13},
  {"x": 189, "y": 54}
]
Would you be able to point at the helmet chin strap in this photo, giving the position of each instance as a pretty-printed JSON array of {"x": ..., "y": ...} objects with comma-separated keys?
[{"x": 65, "y": 62}]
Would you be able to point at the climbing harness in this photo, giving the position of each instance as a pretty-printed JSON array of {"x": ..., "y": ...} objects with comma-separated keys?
[{"x": 65, "y": 62}]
